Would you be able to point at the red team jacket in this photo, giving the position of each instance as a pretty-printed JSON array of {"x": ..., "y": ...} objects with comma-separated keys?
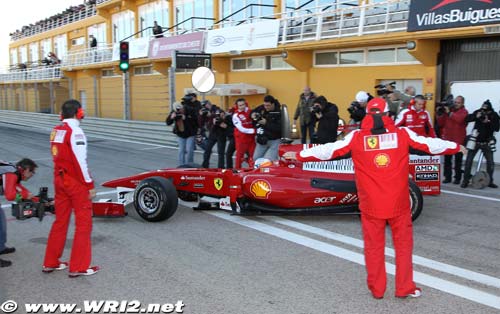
[
  {"x": 417, "y": 121},
  {"x": 243, "y": 127},
  {"x": 68, "y": 145},
  {"x": 380, "y": 163}
]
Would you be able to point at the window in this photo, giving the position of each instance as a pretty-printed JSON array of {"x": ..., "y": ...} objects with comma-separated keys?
[
  {"x": 13, "y": 57},
  {"x": 144, "y": 70},
  {"x": 326, "y": 58},
  {"x": 404, "y": 56},
  {"x": 34, "y": 52},
  {"x": 351, "y": 57},
  {"x": 123, "y": 25},
  {"x": 23, "y": 51},
  {"x": 367, "y": 56},
  {"x": 153, "y": 11},
  {"x": 108, "y": 73},
  {"x": 381, "y": 56},
  {"x": 78, "y": 41},
  {"x": 260, "y": 63},
  {"x": 229, "y": 7},
  {"x": 46, "y": 47},
  {"x": 99, "y": 32},
  {"x": 198, "y": 9},
  {"x": 60, "y": 46}
]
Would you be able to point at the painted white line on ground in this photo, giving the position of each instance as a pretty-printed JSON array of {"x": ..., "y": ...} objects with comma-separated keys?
[
  {"x": 472, "y": 196},
  {"x": 421, "y": 278},
  {"x": 418, "y": 260},
  {"x": 99, "y": 193}
]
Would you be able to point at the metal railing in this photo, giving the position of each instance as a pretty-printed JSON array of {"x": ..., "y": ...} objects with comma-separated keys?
[
  {"x": 86, "y": 56},
  {"x": 102, "y": 1},
  {"x": 80, "y": 12},
  {"x": 32, "y": 74}
]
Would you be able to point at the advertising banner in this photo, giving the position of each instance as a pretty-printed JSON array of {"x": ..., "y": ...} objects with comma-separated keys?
[
  {"x": 138, "y": 48},
  {"x": 426, "y": 172},
  {"x": 163, "y": 47},
  {"x": 439, "y": 14},
  {"x": 251, "y": 36}
]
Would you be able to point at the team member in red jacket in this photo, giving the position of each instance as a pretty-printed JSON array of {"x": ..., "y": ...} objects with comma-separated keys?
[
  {"x": 416, "y": 118},
  {"x": 74, "y": 190},
  {"x": 11, "y": 187},
  {"x": 244, "y": 133},
  {"x": 379, "y": 151},
  {"x": 452, "y": 124}
]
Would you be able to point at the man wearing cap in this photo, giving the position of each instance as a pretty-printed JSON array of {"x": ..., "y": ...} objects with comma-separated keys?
[{"x": 380, "y": 152}]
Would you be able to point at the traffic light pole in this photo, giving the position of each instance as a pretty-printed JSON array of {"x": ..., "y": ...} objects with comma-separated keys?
[
  {"x": 126, "y": 95},
  {"x": 171, "y": 80}
]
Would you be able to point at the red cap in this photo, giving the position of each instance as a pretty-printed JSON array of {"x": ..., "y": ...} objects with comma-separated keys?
[{"x": 377, "y": 105}]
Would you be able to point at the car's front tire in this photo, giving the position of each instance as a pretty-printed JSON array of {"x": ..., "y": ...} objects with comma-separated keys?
[
  {"x": 155, "y": 199},
  {"x": 416, "y": 200}
]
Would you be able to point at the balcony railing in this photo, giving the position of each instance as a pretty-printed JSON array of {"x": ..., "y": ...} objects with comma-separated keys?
[
  {"x": 102, "y": 1},
  {"x": 88, "y": 56},
  {"x": 32, "y": 74},
  {"x": 79, "y": 13}
]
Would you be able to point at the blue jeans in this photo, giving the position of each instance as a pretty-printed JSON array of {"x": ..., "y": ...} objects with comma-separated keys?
[
  {"x": 3, "y": 230},
  {"x": 186, "y": 147},
  {"x": 269, "y": 151}
]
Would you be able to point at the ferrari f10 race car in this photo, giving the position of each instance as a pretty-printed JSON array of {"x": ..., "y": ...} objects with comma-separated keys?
[{"x": 283, "y": 186}]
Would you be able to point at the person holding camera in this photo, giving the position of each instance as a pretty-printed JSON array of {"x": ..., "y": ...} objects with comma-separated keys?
[
  {"x": 326, "y": 115},
  {"x": 231, "y": 147},
  {"x": 217, "y": 127},
  {"x": 486, "y": 123},
  {"x": 357, "y": 110},
  {"x": 12, "y": 189},
  {"x": 185, "y": 117},
  {"x": 244, "y": 133},
  {"x": 74, "y": 191},
  {"x": 267, "y": 121},
  {"x": 204, "y": 123},
  {"x": 452, "y": 124},
  {"x": 303, "y": 111},
  {"x": 416, "y": 118}
]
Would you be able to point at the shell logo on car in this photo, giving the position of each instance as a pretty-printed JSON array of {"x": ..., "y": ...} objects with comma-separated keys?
[{"x": 260, "y": 188}]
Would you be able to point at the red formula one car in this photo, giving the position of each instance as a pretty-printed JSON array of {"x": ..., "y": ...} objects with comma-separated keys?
[{"x": 281, "y": 187}]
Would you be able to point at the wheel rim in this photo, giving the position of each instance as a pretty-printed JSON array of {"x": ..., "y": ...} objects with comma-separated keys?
[
  {"x": 149, "y": 200},
  {"x": 411, "y": 204}
]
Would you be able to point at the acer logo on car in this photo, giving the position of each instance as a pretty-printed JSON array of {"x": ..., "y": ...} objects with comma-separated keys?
[{"x": 323, "y": 200}]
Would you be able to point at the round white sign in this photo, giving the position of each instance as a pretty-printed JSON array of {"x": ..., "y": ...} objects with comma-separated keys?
[{"x": 203, "y": 79}]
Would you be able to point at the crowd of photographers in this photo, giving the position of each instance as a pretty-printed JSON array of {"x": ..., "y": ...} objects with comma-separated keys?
[{"x": 254, "y": 134}]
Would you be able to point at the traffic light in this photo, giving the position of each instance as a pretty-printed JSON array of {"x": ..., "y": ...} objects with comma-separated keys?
[{"x": 124, "y": 63}]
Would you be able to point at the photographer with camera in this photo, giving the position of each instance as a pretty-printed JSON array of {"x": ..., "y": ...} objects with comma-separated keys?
[
  {"x": 267, "y": 121},
  {"x": 12, "y": 189},
  {"x": 394, "y": 98},
  {"x": 303, "y": 111},
  {"x": 204, "y": 123},
  {"x": 416, "y": 118},
  {"x": 185, "y": 117},
  {"x": 217, "y": 127},
  {"x": 326, "y": 115},
  {"x": 486, "y": 123},
  {"x": 244, "y": 133},
  {"x": 357, "y": 110},
  {"x": 452, "y": 124}
]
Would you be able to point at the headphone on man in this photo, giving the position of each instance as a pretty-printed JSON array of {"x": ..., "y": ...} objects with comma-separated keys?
[{"x": 80, "y": 114}]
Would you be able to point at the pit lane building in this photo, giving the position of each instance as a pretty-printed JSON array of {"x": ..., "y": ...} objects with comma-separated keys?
[{"x": 336, "y": 47}]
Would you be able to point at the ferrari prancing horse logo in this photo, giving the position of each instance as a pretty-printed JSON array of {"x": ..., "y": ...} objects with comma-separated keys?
[
  {"x": 218, "y": 183},
  {"x": 372, "y": 142}
]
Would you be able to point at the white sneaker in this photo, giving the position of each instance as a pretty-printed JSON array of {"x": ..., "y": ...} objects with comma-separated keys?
[
  {"x": 90, "y": 271},
  {"x": 416, "y": 294},
  {"x": 62, "y": 266}
]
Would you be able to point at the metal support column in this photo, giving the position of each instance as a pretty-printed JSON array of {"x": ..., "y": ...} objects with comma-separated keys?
[
  {"x": 70, "y": 87},
  {"x": 52, "y": 97},
  {"x": 96, "y": 105},
  {"x": 126, "y": 95},
  {"x": 36, "y": 93},
  {"x": 171, "y": 80}
]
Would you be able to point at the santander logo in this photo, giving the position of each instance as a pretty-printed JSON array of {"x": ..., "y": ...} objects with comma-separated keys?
[{"x": 446, "y": 2}]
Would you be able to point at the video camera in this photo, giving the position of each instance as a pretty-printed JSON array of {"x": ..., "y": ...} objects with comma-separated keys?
[
  {"x": 187, "y": 98},
  {"x": 316, "y": 109},
  {"x": 28, "y": 209},
  {"x": 353, "y": 107},
  {"x": 448, "y": 101},
  {"x": 382, "y": 89},
  {"x": 256, "y": 116}
]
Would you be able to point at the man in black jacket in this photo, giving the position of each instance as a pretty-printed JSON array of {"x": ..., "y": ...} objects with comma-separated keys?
[
  {"x": 327, "y": 116},
  {"x": 267, "y": 121},
  {"x": 486, "y": 122},
  {"x": 185, "y": 116},
  {"x": 216, "y": 135}
]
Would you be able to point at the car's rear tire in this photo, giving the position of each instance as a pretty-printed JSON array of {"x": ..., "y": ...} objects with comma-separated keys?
[
  {"x": 155, "y": 199},
  {"x": 416, "y": 200}
]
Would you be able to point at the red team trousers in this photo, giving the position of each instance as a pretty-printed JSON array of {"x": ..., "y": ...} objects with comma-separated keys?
[
  {"x": 374, "y": 238},
  {"x": 244, "y": 146},
  {"x": 70, "y": 195}
]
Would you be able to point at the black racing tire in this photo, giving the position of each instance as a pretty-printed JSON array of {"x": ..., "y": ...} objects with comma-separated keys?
[
  {"x": 155, "y": 199},
  {"x": 416, "y": 200}
]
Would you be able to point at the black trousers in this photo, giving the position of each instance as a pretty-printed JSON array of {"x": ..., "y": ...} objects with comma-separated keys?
[
  {"x": 304, "y": 129},
  {"x": 457, "y": 167},
  {"x": 488, "y": 154},
  {"x": 221, "y": 148},
  {"x": 230, "y": 149}
]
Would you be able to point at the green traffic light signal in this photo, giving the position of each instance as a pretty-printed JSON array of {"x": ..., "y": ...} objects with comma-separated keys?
[
  {"x": 124, "y": 66},
  {"x": 124, "y": 56}
]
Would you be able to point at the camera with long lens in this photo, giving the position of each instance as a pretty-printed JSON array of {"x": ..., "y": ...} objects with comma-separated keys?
[
  {"x": 256, "y": 116},
  {"x": 382, "y": 89},
  {"x": 316, "y": 109},
  {"x": 448, "y": 101},
  {"x": 187, "y": 98},
  {"x": 204, "y": 111},
  {"x": 353, "y": 107},
  {"x": 26, "y": 209}
]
